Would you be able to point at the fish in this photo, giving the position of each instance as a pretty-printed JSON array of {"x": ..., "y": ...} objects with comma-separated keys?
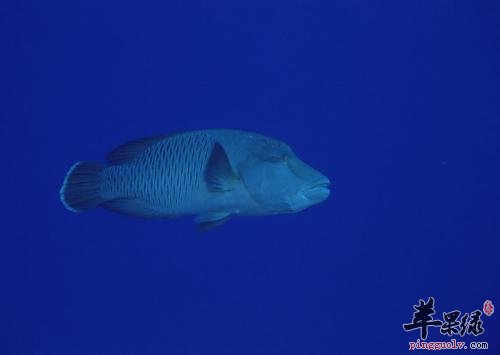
[{"x": 212, "y": 174}]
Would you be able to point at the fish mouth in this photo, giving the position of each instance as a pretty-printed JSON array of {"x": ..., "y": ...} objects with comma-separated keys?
[{"x": 318, "y": 191}]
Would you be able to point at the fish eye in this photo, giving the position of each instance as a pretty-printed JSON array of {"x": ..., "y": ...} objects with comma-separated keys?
[{"x": 276, "y": 158}]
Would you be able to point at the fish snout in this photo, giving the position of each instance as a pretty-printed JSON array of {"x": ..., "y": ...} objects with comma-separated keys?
[{"x": 317, "y": 191}]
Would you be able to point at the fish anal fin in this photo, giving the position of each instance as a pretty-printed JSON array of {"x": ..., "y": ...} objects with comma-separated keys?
[{"x": 133, "y": 207}]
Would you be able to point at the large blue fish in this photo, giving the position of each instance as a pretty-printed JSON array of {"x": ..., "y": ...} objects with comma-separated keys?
[{"x": 209, "y": 173}]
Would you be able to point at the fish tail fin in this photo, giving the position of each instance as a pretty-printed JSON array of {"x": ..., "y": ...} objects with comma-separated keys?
[{"x": 81, "y": 188}]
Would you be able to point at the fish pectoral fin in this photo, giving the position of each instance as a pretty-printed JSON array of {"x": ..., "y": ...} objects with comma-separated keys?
[
  {"x": 211, "y": 220},
  {"x": 219, "y": 175}
]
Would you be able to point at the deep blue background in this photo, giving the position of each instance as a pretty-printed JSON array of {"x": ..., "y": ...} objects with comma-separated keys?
[{"x": 397, "y": 102}]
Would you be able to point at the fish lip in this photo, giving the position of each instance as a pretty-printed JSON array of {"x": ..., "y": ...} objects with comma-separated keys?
[
  {"x": 318, "y": 191},
  {"x": 323, "y": 183},
  {"x": 316, "y": 188}
]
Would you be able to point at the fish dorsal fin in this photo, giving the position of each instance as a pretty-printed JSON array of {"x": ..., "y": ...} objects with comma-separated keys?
[
  {"x": 219, "y": 175},
  {"x": 211, "y": 220},
  {"x": 127, "y": 152}
]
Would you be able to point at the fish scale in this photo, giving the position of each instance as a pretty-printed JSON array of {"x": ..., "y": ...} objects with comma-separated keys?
[{"x": 165, "y": 174}]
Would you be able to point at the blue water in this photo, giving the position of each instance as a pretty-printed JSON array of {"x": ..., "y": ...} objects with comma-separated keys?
[{"x": 397, "y": 102}]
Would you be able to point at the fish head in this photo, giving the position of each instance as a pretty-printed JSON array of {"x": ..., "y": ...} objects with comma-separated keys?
[{"x": 279, "y": 181}]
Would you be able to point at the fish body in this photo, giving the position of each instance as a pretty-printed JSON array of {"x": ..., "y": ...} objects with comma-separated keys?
[{"x": 209, "y": 173}]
